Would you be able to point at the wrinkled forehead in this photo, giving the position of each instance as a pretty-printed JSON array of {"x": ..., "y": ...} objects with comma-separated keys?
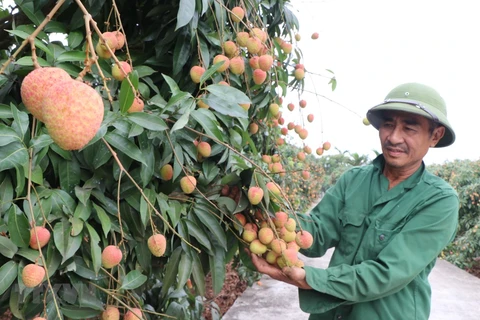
[{"x": 402, "y": 116}]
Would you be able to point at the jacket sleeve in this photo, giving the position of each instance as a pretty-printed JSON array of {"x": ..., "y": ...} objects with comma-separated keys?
[
  {"x": 399, "y": 262},
  {"x": 323, "y": 222}
]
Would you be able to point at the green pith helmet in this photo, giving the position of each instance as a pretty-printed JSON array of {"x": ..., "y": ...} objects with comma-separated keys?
[{"x": 419, "y": 99}]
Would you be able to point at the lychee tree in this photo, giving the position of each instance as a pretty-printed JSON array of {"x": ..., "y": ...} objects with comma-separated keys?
[{"x": 133, "y": 217}]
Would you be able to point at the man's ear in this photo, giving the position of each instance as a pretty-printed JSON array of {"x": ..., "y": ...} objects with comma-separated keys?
[{"x": 437, "y": 134}]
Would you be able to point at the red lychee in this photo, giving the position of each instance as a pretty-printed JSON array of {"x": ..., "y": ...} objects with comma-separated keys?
[
  {"x": 32, "y": 275},
  {"x": 226, "y": 62},
  {"x": 237, "y": 14},
  {"x": 137, "y": 105},
  {"x": 196, "y": 73},
  {"x": 110, "y": 313},
  {"x": 111, "y": 256},
  {"x": 259, "y": 76},
  {"x": 255, "y": 195},
  {"x": 43, "y": 237},
  {"x": 237, "y": 65},
  {"x": 304, "y": 239},
  {"x": 117, "y": 72}
]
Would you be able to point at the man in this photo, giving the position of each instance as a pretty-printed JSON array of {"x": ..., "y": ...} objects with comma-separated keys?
[{"x": 387, "y": 221}]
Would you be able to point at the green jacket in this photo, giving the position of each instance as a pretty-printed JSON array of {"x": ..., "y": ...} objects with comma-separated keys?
[{"x": 386, "y": 243}]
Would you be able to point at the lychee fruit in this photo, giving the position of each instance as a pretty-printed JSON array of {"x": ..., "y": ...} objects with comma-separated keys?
[
  {"x": 259, "y": 33},
  {"x": 43, "y": 237},
  {"x": 254, "y": 45},
  {"x": 305, "y": 175},
  {"x": 110, "y": 313},
  {"x": 301, "y": 155},
  {"x": 277, "y": 167},
  {"x": 265, "y": 235},
  {"x": 249, "y": 234},
  {"x": 42, "y": 318},
  {"x": 298, "y": 37},
  {"x": 259, "y": 76},
  {"x": 271, "y": 257},
  {"x": 326, "y": 145},
  {"x": 273, "y": 188},
  {"x": 254, "y": 62},
  {"x": 307, "y": 150},
  {"x": 237, "y": 65},
  {"x": 133, "y": 314},
  {"x": 253, "y": 128},
  {"x": 117, "y": 72},
  {"x": 188, "y": 184},
  {"x": 266, "y": 158},
  {"x": 120, "y": 39},
  {"x": 101, "y": 47},
  {"x": 72, "y": 112},
  {"x": 265, "y": 62},
  {"x": 111, "y": 256},
  {"x": 245, "y": 106},
  {"x": 303, "y": 134},
  {"x": 255, "y": 195},
  {"x": 310, "y": 117},
  {"x": 32, "y": 275},
  {"x": 278, "y": 245},
  {"x": 137, "y": 105},
  {"x": 257, "y": 247},
  {"x": 304, "y": 239},
  {"x": 237, "y": 14},
  {"x": 226, "y": 62},
  {"x": 204, "y": 149},
  {"x": 274, "y": 109},
  {"x": 290, "y": 225},
  {"x": 241, "y": 218},
  {"x": 166, "y": 172},
  {"x": 315, "y": 35},
  {"x": 242, "y": 38},
  {"x": 230, "y": 48},
  {"x": 290, "y": 126},
  {"x": 286, "y": 235},
  {"x": 290, "y": 257},
  {"x": 276, "y": 158},
  {"x": 302, "y": 103},
  {"x": 365, "y": 121},
  {"x": 157, "y": 244},
  {"x": 196, "y": 73},
  {"x": 319, "y": 151},
  {"x": 299, "y": 74},
  {"x": 36, "y": 83},
  {"x": 280, "y": 219},
  {"x": 286, "y": 47},
  {"x": 111, "y": 39}
]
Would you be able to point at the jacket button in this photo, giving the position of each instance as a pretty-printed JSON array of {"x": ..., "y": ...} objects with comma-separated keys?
[
  {"x": 339, "y": 317},
  {"x": 381, "y": 237}
]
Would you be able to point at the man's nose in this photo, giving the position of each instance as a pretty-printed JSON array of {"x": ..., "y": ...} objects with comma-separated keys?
[{"x": 395, "y": 135}]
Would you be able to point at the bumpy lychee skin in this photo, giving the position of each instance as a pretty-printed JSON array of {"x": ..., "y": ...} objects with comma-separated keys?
[
  {"x": 237, "y": 14},
  {"x": 34, "y": 85},
  {"x": 304, "y": 239},
  {"x": 226, "y": 62},
  {"x": 259, "y": 76},
  {"x": 265, "y": 62},
  {"x": 237, "y": 65},
  {"x": 39, "y": 318},
  {"x": 157, "y": 244},
  {"x": 117, "y": 73},
  {"x": 257, "y": 247},
  {"x": 196, "y": 73},
  {"x": 43, "y": 237},
  {"x": 242, "y": 38},
  {"x": 110, "y": 313},
  {"x": 135, "y": 315},
  {"x": 188, "y": 184},
  {"x": 120, "y": 39},
  {"x": 111, "y": 256},
  {"x": 255, "y": 195},
  {"x": 32, "y": 275},
  {"x": 72, "y": 112}
]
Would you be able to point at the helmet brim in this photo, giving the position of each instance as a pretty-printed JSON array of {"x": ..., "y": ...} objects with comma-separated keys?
[{"x": 375, "y": 118}]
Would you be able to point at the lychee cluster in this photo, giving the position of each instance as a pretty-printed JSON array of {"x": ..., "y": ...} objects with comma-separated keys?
[{"x": 71, "y": 110}]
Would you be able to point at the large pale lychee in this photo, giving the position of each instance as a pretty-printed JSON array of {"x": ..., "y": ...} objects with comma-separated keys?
[
  {"x": 290, "y": 225},
  {"x": 72, "y": 112},
  {"x": 319, "y": 151},
  {"x": 259, "y": 33},
  {"x": 299, "y": 74},
  {"x": 286, "y": 235},
  {"x": 253, "y": 128},
  {"x": 133, "y": 314},
  {"x": 204, "y": 149},
  {"x": 36, "y": 83},
  {"x": 259, "y": 76},
  {"x": 280, "y": 219},
  {"x": 265, "y": 62},
  {"x": 157, "y": 244},
  {"x": 110, "y": 313},
  {"x": 226, "y": 62},
  {"x": 111, "y": 256},
  {"x": 274, "y": 109},
  {"x": 111, "y": 41},
  {"x": 188, "y": 184},
  {"x": 278, "y": 245},
  {"x": 117, "y": 72},
  {"x": 257, "y": 247},
  {"x": 242, "y": 38},
  {"x": 237, "y": 65},
  {"x": 254, "y": 45},
  {"x": 237, "y": 14},
  {"x": 166, "y": 172},
  {"x": 286, "y": 47},
  {"x": 249, "y": 235},
  {"x": 120, "y": 39},
  {"x": 137, "y": 105},
  {"x": 265, "y": 235},
  {"x": 271, "y": 257},
  {"x": 43, "y": 237},
  {"x": 230, "y": 48},
  {"x": 304, "y": 239},
  {"x": 254, "y": 62},
  {"x": 326, "y": 145},
  {"x": 196, "y": 73},
  {"x": 255, "y": 195},
  {"x": 32, "y": 275},
  {"x": 273, "y": 188},
  {"x": 290, "y": 257}
]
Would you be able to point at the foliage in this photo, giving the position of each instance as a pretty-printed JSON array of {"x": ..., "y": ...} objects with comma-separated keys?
[
  {"x": 111, "y": 191},
  {"x": 464, "y": 176}
]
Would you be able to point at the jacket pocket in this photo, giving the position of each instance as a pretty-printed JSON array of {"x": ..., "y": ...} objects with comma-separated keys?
[
  {"x": 353, "y": 228},
  {"x": 384, "y": 233}
]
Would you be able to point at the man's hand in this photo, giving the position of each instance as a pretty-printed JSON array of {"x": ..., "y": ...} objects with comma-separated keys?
[{"x": 292, "y": 275}]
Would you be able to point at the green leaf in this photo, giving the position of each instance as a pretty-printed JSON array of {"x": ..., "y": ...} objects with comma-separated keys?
[
  {"x": 148, "y": 121},
  {"x": 183, "y": 120},
  {"x": 198, "y": 275},
  {"x": 7, "y": 247},
  {"x": 124, "y": 145},
  {"x": 66, "y": 244},
  {"x": 13, "y": 155},
  {"x": 221, "y": 105},
  {"x": 27, "y": 7},
  {"x": 75, "y": 38},
  {"x": 178, "y": 99},
  {"x": 211, "y": 222},
  {"x": 185, "y": 13},
  {"x": 171, "y": 270},
  {"x": 133, "y": 280},
  {"x": 144, "y": 71},
  {"x": 333, "y": 82},
  {"x": 18, "y": 226},
  {"x": 95, "y": 250},
  {"x": 79, "y": 313},
  {"x": 21, "y": 122},
  {"x": 209, "y": 123},
  {"x": 182, "y": 51},
  {"x": 217, "y": 269},
  {"x": 69, "y": 175},
  {"x": 174, "y": 89},
  {"x": 104, "y": 219},
  {"x": 38, "y": 43},
  {"x": 41, "y": 141},
  {"x": 77, "y": 56},
  {"x": 127, "y": 94},
  {"x": 8, "y": 274},
  {"x": 26, "y": 61},
  {"x": 195, "y": 231},
  {"x": 184, "y": 269},
  {"x": 231, "y": 94},
  {"x": 6, "y": 194}
]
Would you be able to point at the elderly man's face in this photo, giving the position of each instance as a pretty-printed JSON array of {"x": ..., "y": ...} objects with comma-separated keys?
[{"x": 406, "y": 138}]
